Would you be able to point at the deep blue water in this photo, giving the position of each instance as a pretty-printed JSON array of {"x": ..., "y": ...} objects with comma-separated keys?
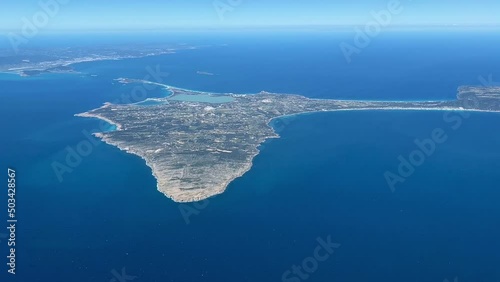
[{"x": 324, "y": 177}]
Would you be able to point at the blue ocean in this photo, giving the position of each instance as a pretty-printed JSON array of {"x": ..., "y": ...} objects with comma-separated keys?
[{"x": 322, "y": 181}]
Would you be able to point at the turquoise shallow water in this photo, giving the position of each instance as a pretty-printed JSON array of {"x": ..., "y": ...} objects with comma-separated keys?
[{"x": 323, "y": 177}]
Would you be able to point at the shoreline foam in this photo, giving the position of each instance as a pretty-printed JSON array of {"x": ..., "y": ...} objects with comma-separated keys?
[
  {"x": 249, "y": 165},
  {"x": 180, "y": 193}
]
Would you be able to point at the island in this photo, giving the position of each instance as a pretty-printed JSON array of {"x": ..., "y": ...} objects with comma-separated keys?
[
  {"x": 196, "y": 143},
  {"x": 39, "y": 61}
]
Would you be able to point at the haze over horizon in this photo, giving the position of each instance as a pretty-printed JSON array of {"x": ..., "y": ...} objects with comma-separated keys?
[{"x": 94, "y": 15}]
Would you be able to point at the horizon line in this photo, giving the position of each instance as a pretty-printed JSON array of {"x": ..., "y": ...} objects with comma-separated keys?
[{"x": 252, "y": 27}]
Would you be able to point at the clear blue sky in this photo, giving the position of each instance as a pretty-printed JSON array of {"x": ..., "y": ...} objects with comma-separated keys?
[{"x": 153, "y": 14}]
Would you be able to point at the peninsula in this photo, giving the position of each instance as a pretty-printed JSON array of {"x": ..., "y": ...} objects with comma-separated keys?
[{"x": 196, "y": 143}]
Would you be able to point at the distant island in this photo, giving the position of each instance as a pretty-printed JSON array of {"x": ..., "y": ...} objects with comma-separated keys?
[
  {"x": 196, "y": 143},
  {"x": 39, "y": 61}
]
